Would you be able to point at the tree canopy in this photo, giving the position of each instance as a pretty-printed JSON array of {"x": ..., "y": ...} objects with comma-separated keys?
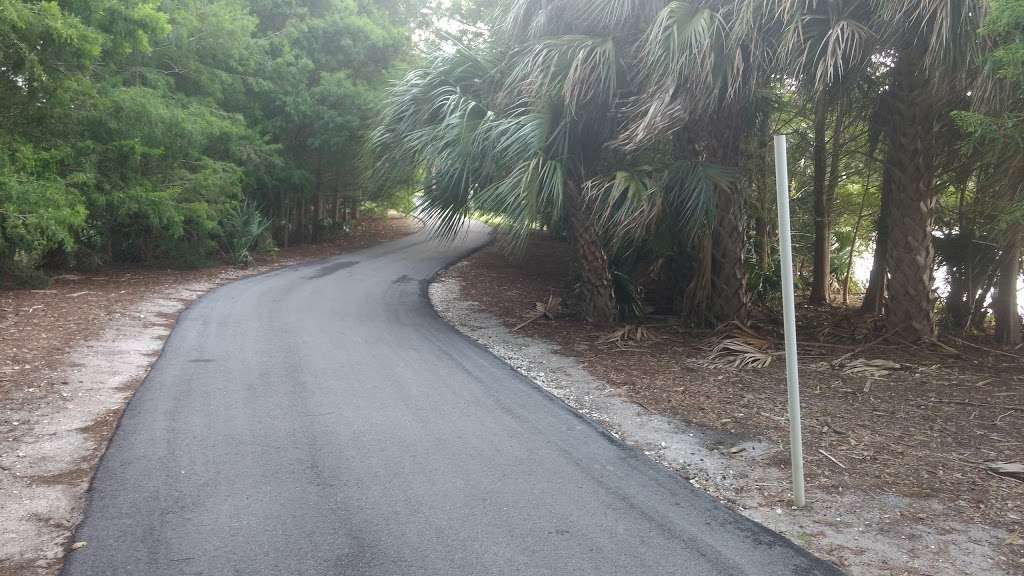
[
  {"x": 178, "y": 131},
  {"x": 640, "y": 130},
  {"x": 133, "y": 128}
]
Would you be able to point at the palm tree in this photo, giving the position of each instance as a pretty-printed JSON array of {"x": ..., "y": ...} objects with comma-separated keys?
[
  {"x": 519, "y": 128},
  {"x": 531, "y": 127},
  {"x": 827, "y": 47},
  {"x": 934, "y": 51},
  {"x": 929, "y": 49},
  {"x": 699, "y": 70}
]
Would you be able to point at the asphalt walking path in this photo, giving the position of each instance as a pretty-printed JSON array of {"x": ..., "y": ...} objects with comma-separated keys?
[{"x": 323, "y": 420}]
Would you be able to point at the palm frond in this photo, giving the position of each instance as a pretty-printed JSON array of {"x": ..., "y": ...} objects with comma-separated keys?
[
  {"x": 578, "y": 69},
  {"x": 740, "y": 351},
  {"x": 683, "y": 68},
  {"x": 634, "y": 204},
  {"x": 945, "y": 31},
  {"x": 823, "y": 43}
]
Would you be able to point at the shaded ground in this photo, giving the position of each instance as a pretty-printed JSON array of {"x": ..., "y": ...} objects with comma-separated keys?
[
  {"x": 896, "y": 481},
  {"x": 70, "y": 357}
]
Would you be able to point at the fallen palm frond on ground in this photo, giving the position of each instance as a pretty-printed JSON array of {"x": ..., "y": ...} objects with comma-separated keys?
[
  {"x": 548, "y": 310},
  {"x": 739, "y": 348},
  {"x": 634, "y": 333},
  {"x": 869, "y": 368}
]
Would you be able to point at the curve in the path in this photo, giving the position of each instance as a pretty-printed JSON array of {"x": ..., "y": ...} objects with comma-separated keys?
[{"x": 322, "y": 420}]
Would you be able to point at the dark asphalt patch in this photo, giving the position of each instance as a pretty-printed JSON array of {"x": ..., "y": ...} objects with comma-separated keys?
[{"x": 324, "y": 271}]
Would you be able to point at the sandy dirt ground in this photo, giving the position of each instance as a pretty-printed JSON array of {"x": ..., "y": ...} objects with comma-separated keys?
[
  {"x": 896, "y": 476},
  {"x": 70, "y": 359}
]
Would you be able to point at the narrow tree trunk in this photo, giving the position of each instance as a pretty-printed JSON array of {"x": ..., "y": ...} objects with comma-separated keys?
[
  {"x": 286, "y": 219},
  {"x": 853, "y": 241},
  {"x": 1008, "y": 331},
  {"x": 911, "y": 154},
  {"x": 318, "y": 199},
  {"x": 598, "y": 302},
  {"x": 300, "y": 220},
  {"x": 337, "y": 201},
  {"x": 822, "y": 229},
  {"x": 834, "y": 177},
  {"x": 321, "y": 214},
  {"x": 979, "y": 313},
  {"x": 874, "y": 295},
  {"x": 959, "y": 301},
  {"x": 764, "y": 255},
  {"x": 764, "y": 216}
]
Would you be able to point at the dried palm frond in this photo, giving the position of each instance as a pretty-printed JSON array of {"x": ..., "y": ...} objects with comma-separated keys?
[
  {"x": 870, "y": 368},
  {"x": 633, "y": 333},
  {"x": 544, "y": 310},
  {"x": 740, "y": 351}
]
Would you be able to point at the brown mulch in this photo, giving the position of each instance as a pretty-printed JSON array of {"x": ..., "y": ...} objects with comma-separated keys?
[{"x": 923, "y": 430}]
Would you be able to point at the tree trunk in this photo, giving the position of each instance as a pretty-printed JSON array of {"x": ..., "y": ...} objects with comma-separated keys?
[
  {"x": 300, "y": 219},
  {"x": 729, "y": 299},
  {"x": 728, "y": 274},
  {"x": 321, "y": 215},
  {"x": 822, "y": 229},
  {"x": 1008, "y": 331},
  {"x": 832, "y": 188},
  {"x": 286, "y": 220},
  {"x": 853, "y": 242},
  {"x": 911, "y": 156},
  {"x": 318, "y": 199},
  {"x": 960, "y": 299},
  {"x": 979, "y": 315},
  {"x": 337, "y": 201},
  {"x": 598, "y": 302},
  {"x": 764, "y": 199},
  {"x": 874, "y": 295}
]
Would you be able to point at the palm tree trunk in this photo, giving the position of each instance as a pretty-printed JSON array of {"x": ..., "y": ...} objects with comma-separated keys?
[
  {"x": 598, "y": 303},
  {"x": 1008, "y": 330},
  {"x": 911, "y": 156},
  {"x": 728, "y": 274},
  {"x": 822, "y": 229},
  {"x": 729, "y": 299}
]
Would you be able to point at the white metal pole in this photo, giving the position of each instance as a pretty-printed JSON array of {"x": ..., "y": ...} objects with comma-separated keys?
[{"x": 789, "y": 314}]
